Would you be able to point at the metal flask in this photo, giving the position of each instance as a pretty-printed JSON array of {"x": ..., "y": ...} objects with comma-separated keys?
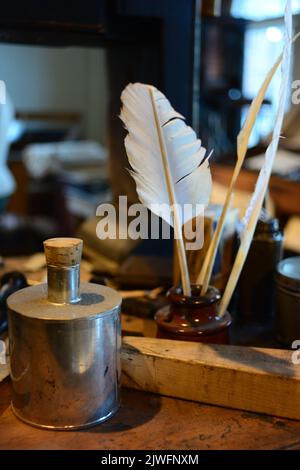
[{"x": 65, "y": 342}]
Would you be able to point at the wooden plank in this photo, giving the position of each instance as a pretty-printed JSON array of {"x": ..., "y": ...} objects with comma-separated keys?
[{"x": 252, "y": 379}]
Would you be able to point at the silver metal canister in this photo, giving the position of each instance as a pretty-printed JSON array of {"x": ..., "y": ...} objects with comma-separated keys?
[
  {"x": 287, "y": 314},
  {"x": 65, "y": 342}
]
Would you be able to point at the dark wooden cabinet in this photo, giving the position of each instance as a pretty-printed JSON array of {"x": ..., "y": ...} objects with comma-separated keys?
[{"x": 168, "y": 25}]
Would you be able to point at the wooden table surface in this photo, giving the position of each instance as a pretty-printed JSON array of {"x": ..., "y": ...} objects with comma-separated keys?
[{"x": 146, "y": 421}]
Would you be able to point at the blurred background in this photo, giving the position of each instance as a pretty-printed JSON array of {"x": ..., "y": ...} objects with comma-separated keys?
[{"x": 62, "y": 151}]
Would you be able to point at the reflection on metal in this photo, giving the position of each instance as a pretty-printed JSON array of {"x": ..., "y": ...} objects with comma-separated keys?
[{"x": 65, "y": 356}]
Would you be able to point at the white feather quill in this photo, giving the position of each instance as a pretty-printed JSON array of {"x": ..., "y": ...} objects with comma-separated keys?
[
  {"x": 256, "y": 202},
  {"x": 168, "y": 162}
]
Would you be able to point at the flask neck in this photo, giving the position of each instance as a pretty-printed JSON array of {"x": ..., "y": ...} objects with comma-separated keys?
[{"x": 63, "y": 284}]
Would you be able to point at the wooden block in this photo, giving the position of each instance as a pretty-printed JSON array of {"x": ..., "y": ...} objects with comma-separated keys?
[{"x": 252, "y": 379}]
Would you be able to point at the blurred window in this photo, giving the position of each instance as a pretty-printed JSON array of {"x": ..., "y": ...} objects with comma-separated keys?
[
  {"x": 260, "y": 10},
  {"x": 263, "y": 44}
]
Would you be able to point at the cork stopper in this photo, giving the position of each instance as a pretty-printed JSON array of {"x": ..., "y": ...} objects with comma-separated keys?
[{"x": 63, "y": 252}]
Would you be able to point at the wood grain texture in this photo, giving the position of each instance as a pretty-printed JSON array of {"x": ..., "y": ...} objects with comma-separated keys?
[
  {"x": 148, "y": 421},
  {"x": 252, "y": 379}
]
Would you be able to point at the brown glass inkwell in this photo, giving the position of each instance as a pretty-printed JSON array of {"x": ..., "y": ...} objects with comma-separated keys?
[{"x": 193, "y": 318}]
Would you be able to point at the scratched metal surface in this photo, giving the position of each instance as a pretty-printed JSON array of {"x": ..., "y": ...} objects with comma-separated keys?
[{"x": 147, "y": 421}]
